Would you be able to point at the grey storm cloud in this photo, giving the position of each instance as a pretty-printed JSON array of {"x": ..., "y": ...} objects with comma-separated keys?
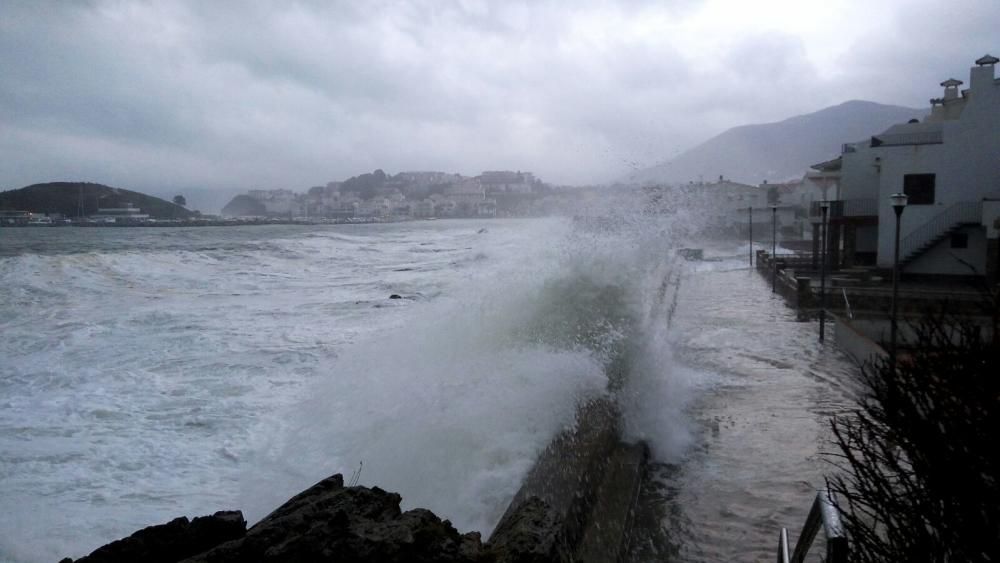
[{"x": 233, "y": 95}]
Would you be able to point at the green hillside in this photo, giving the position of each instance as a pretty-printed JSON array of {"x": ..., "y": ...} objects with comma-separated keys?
[{"x": 73, "y": 199}]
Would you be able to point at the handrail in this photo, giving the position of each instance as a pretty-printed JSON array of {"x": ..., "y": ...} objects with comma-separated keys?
[
  {"x": 783, "y": 553},
  {"x": 823, "y": 512},
  {"x": 958, "y": 213},
  {"x": 861, "y": 207}
]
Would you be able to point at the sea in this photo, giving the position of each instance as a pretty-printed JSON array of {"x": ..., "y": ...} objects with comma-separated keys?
[{"x": 149, "y": 373}]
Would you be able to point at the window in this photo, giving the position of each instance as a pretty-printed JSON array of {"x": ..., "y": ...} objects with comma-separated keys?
[
  {"x": 960, "y": 240},
  {"x": 919, "y": 188}
]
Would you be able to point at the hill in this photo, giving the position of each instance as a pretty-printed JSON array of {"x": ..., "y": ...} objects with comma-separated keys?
[
  {"x": 244, "y": 206},
  {"x": 73, "y": 199},
  {"x": 778, "y": 151}
]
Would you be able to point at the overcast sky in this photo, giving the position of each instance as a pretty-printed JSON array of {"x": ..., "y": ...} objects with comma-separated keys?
[{"x": 168, "y": 95}]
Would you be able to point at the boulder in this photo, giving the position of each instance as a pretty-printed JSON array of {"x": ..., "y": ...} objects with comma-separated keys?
[
  {"x": 331, "y": 522},
  {"x": 173, "y": 541}
]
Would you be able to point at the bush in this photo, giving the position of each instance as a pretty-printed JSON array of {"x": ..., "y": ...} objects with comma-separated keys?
[{"x": 919, "y": 456}]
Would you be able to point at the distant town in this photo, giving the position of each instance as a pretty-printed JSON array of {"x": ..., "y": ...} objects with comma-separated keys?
[
  {"x": 406, "y": 195},
  {"x": 370, "y": 197},
  {"x": 942, "y": 167}
]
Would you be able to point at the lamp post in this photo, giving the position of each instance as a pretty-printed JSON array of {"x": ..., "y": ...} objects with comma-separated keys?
[
  {"x": 774, "y": 246},
  {"x": 898, "y": 204},
  {"x": 824, "y": 207},
  {"x": 750, "y": 210}
]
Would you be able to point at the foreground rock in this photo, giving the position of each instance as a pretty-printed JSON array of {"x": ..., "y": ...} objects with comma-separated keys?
[
  {"x": 331, "y": 522},
  {"x": 173, "y": 541}
]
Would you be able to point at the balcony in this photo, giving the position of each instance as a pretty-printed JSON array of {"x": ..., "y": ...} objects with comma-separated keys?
[{"x": 841, "y": 208}]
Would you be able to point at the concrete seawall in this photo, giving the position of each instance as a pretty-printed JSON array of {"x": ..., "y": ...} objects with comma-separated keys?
[
  {"x": 587, "y": 482},
  {"x": 578, "y": 502}
]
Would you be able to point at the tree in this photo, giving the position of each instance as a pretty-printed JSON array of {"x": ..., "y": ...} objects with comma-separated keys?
[
  {"x": 179, "y": 200},
  {"x": 919, "y": 468}
]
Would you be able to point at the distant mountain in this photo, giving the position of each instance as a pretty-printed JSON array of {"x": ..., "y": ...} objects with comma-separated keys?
[
  {"x": 778, "y": 151},
  {"x": 73, "y": 199}
]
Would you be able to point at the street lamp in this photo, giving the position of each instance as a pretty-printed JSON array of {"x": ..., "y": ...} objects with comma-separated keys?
[
  {"x": 898, "y": 204},
  {"x": 750, "y": 210},
  {"x": 774, "y": 246},
  {"x": 824, "y": 207}
]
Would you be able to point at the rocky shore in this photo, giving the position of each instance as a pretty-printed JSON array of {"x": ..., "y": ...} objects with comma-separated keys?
[{"x": 331, "y": 522}]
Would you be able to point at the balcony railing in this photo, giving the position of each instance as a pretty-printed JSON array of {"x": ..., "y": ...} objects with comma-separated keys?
[
  {"x": 860, "y": 207},
  {"x": 847, "y": 208},
  {"x": 898, "y": 139}
]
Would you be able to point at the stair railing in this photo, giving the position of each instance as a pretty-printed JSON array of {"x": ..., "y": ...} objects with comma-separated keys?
[
  {"x": 956, "y": 214},
  {"x": 823, "y": 513},
  {"x": 847, "y": 304}
]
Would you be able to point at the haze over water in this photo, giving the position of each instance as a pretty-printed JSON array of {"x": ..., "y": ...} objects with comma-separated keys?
[{"x": 151, "y": 373}]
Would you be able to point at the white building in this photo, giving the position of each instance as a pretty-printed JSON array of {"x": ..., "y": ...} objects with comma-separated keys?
[
  {"x": 506, "y": 181},
  {"x": 279, "y": 202},
  {"x": 948, "y": 165},
  {"x": 127, "y": 214},
  {"x": 423, "y": 208},
  {"x": 727, "y": 204}
]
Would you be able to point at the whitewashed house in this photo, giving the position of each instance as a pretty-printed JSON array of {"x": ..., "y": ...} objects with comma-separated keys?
[{"x": 948, "y": 163}]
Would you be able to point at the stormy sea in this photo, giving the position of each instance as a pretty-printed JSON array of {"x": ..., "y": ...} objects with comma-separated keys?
[{"x": 147, "y": 373}]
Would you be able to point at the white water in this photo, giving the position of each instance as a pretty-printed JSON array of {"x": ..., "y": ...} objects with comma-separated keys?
[{"x": 149, "y": 373}]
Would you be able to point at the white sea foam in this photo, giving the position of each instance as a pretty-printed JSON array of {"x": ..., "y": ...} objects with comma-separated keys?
[{"x": 229, "y": 370}]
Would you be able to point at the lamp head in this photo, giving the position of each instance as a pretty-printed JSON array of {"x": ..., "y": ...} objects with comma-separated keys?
[
  {"x": 898, "y": 201},
  {"x": 824, "y": 205}
]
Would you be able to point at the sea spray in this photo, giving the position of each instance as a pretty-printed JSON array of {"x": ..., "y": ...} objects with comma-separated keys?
[
  {"x": 157, "y": 372},
  {"x": 451, "y": 407}
]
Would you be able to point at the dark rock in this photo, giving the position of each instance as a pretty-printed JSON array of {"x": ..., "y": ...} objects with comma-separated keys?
[
  {"x": 532, "y": 533},
  {"x": 395, "y": 296},
  {"x": 173, "y": 541},
  {"x": 330, "y": 522}
]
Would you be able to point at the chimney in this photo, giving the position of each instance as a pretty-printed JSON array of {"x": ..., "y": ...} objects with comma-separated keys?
[
  {"x": 981, "y": 75},
  {"x": 937, "y": 109},
  {"x": 951, "y": 88}
]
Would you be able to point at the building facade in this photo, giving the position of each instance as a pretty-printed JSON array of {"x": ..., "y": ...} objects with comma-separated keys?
[{"x": 947, "y": 164}]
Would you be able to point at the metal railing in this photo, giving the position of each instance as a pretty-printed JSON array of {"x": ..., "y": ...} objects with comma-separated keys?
[
  {"x": 958, "y": 214},
  {"x": 865, "y": 207},
  {"x": 847, "y": 304},
  {"x": 823, "y": 512},
  {"x": 836, "y": 209},
  {"x": 897, "y": 139}
]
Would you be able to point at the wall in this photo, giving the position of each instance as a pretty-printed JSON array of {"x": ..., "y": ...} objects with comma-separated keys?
[
  {"x": 859, "y": 176},
  {"x": 858, "y": 339},
  {"x": 912, "y": 159},
  {"x": 943, "y": 258},
  {"x": 867, "y": 239},
  {"x": 966, "y": 165}
]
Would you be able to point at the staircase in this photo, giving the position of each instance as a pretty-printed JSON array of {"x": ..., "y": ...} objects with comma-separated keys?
[{"x": 942, "y": 226}]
